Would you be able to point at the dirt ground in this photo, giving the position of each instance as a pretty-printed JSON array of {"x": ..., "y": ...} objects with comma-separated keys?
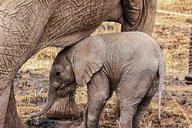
[{"x": 171, "y": 31}]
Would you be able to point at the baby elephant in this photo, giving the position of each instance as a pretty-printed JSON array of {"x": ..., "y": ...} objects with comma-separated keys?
[{"x": 129, "y": 63}]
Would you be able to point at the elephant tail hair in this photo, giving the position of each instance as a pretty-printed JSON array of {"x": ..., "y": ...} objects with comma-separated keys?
[{"x": 161, "y": 73}]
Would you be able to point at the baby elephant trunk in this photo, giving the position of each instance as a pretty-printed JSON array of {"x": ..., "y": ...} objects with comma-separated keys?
[
  {"x": 49, "y": 103},
  {"x": 65, "y": 106}
]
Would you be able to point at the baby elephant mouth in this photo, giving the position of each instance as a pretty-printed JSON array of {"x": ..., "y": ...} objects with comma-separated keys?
[{"x": 66, "y": 90}]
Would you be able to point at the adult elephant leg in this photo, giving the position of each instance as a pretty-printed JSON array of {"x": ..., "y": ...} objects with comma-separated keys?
[
  {"x": 4, "y": 98},
  {"x": 139, "y": 15},
  {"x": 8, "y": 112}
]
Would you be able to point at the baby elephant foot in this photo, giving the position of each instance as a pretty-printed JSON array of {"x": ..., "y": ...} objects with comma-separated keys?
[
  {"x": 87, "y": 126},
  {"x": 87, "y": 123},
  {"x": 92, "y": 122}
]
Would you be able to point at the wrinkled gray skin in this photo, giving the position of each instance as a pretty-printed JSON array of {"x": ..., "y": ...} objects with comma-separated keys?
[
  {"x": 114, "y": 62},
  {"x": 27, "y": 26}
]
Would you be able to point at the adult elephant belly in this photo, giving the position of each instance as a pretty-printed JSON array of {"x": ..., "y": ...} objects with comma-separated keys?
[{"x": 78, "y": 19}]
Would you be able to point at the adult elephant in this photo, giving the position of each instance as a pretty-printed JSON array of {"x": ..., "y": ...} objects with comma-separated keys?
[{"x": 27, "y": 26}]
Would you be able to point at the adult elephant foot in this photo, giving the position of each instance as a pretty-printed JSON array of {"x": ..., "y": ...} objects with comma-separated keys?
[
  {"x": 11, "y": 119},
  {"x": 65, "y": 106}
]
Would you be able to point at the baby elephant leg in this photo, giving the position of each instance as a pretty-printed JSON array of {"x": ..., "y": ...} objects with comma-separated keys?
[
  {"x": 142, "y": 108},
  {"x": 130, "y": 93},
  {"x": 98, "y": 94},
  {"x": 127, "y": 110}
]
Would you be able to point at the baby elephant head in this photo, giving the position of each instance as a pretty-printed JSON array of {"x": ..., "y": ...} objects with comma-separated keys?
[
  {"x": 74, "y": 65},
  {"x": 61, "y": 75}
]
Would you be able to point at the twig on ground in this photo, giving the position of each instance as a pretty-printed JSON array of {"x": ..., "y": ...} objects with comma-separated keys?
[
  {"x": 174, "y": 13},
  {"x": 180, "y": 108}
]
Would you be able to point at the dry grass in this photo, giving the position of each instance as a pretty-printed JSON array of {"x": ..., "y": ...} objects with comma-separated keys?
[{"x": 182, "y": 6}]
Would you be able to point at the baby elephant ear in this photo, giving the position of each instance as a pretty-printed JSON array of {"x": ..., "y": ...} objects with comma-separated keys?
[{"x": 87, "y": 58}]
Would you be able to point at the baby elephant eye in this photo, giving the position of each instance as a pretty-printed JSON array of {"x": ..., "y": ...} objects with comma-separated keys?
[{"x": 57, "y": 73}]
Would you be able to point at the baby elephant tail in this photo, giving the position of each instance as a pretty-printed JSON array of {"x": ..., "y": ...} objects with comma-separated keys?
[{"x": 161, "y": 73}]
